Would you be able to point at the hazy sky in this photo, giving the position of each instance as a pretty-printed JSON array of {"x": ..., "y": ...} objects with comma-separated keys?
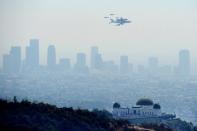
[{"x": 160, "y": 27}]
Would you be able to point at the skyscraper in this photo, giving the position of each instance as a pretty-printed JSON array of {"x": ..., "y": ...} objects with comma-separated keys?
[
  {"x": 64, "y": 64},
  {"x": 96, "y": 58},
  {"x": 184, "y": 62},
  {"x": 94, "y": 52},
  {"x": 153, "y": 63},
  {"x": 32, "y": 54},
  {"x": 51, "y": 57},
  {"x": 81, "y": 59},
  {"x": 7, "y": 63},
  {"x": 12, "y": 61},
  {"x": 16, "y": 58},
  {"x": 80, "y": 66},
  {"x": 124, "y": 64}
]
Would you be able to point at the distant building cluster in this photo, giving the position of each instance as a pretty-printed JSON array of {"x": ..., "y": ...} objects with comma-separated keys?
[{"x": 13, "y": 63}]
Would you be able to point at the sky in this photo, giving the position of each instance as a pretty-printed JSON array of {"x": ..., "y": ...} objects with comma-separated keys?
[{"x": 159, "y": 28}]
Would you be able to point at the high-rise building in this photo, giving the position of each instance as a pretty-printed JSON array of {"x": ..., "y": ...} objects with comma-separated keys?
[
  {"x": 81, "y": 59},
  {"x": 51, "y": 57},
  {"x": 184, "y": 62},
  {"x": 12, "y": 61},
  {"x": 124, "y": 64},
  {"x": 64, "y": 64},
  {"x": 96, "y": 58},
  {"x": 32, "y": 54},
  {"x": 16, "y": 58},
  {"x": 80, "y": 66},
  {"x": 94, "y": 53},
  {"x": 7, "y": 63},
  {"x": 153, "y": 63}
]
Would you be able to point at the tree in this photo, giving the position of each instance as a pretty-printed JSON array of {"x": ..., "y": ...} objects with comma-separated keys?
[{"x": 15, "y": 99}]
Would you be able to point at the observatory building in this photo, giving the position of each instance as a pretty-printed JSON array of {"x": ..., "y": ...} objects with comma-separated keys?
[{"x": 145, "y": 111}]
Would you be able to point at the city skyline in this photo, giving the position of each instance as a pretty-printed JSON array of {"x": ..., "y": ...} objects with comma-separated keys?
[
  {"x": 158, "y": 28},
  {"x": 31, "y": 61},
  {"x": 88, "y": 52}
]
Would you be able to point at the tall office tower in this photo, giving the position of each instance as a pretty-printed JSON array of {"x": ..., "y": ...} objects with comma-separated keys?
[
  {"x": 80, "y": 66},
  {"x": 81, "y": 59},
  {"x": 124, "y": 64},
  {"x": 96, "y": 58},
  {"x": 51, "y": 57},
  {"x": 15, "y": 54},
  {"x": 153, "y": 65},
  {"x": 94, "y": 52},
  {"x": 184, "y": 62},
  {"x": 32, "y": 54},
  {"x": 7, "y": 63},
  {"x": 12, "y": 61},
  {"x": 64, "y": 64}
]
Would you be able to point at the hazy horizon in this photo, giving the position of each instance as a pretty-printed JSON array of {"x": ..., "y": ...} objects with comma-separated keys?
[{"x": 158, "y": 28}]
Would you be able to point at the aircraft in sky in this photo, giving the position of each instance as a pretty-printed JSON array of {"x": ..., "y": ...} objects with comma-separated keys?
[{"x": 118, "y": 21}]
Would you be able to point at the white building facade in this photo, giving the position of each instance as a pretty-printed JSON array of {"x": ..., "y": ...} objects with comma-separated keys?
[{"x": 144, "y": 109}]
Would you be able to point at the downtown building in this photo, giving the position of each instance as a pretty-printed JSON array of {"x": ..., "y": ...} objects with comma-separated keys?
[
  {"x": 184, "y": 63},
  {"x": 51, "y": 57},
  {"x": 96, "y": 61},
  {"x": 32, "y": 55},
  {"x": 12, "y": 61}
]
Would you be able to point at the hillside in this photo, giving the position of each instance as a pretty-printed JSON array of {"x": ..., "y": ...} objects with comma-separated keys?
[{"x": 29, "y": 116}]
